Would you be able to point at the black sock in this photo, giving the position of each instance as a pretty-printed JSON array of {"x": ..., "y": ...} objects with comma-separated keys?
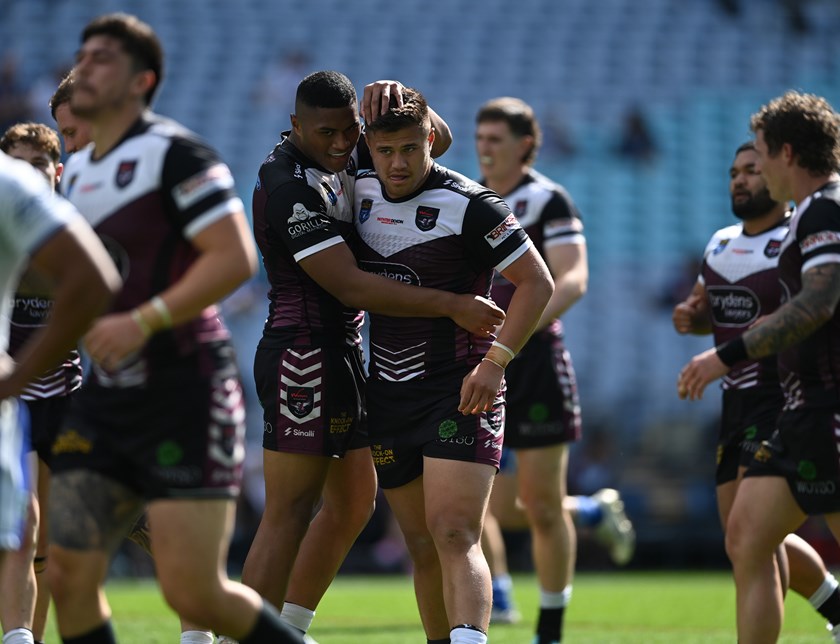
[
  {"x": 445, "y": 640},
  {"x": 101, "y": 635},
  {"x": 830, "y": 608},
  {"x": 270, "y": 629},
  {"x": 550, "y": 625}
]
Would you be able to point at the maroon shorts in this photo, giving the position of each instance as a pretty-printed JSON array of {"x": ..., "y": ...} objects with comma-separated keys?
[
  {"x": 185, "y": 439},
  {"x": 409, "y": 421},
  {"x": 312, "y": 399},
  {"x": 543, "y": 406}
]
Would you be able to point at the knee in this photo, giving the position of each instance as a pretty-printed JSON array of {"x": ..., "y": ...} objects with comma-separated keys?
[
  {"x": 543, "y": 513},
  {"x": 456, "y": 536},
  {"x": 349, "y": 515},
  {"x": 421, "y": 549},
  {"x": 192, "y": 604},
  {"x": 739, "y": 544}
]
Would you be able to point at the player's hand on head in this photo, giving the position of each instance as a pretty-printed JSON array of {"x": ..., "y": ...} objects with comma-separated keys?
[
  {"x": 477, "y": 314},
  {"x": 376, "y": 98}
]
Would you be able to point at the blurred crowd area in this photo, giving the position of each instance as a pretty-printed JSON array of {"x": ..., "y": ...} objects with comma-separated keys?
[{"x": 642, "y": 104}]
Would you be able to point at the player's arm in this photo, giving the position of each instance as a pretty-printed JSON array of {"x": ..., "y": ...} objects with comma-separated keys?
[
  {"x": 335, "y": 270},
  {"x": 788, "y": 325},
  {"x": 376, "y": 100},
  {"x": 83, "y": 280},
  {"x": 692, "y": 315},
  {"x": 569, "y": 266},
  {"x": 534, "y": 288}
]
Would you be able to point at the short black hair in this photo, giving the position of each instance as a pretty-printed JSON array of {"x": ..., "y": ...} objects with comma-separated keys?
[
  {"x": 138, "y": 40},
  {"x": 325, "y": 89},
  {"x": 414, "y": 111},
  {"x": 747, "y": 145}
]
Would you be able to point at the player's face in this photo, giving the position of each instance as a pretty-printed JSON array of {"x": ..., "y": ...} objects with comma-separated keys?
[
  {"x": 750, "y": 197},
  {"x": 499, "y": 151},
  {"x": 772, "y": 169},
  {"x": 38, "y": 159},
  {"x": 327, "y": 135},
  {"x": 402, "y": 159},
  {"x": 73, "y": 130},
  {"x": 105, "y": 79}
]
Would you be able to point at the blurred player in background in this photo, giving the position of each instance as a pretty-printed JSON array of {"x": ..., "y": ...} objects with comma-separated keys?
[
  {"x": 159, "y": 423},
  {"x": 543, "y": 408},
  {"x": 46, "y": 236},
  {"x": 739, "y": 284},
  {"x": 794, "y": 473}
]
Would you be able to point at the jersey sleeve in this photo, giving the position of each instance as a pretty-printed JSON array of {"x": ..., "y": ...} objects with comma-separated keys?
[
  {"x": 35, "y": 213},
  {"x": 818, "y": 234},
  {"x": 492, "y": 232},
  {"x": 200, "y": 186},
  {"x": 561, "y": 221},
  {"x": 298, "y": 216}
]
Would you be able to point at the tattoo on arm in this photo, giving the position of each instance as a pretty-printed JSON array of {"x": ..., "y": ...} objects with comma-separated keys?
[{"x": 794, "y": 321}]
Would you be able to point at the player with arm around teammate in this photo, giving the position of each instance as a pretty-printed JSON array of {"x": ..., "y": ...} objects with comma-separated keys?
[{"x": 308, "y": 366}]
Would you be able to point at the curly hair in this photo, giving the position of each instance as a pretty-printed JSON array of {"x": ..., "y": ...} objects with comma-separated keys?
[
  {"x": 38, "y": 135},
  {"x": 808, "y": 123}
]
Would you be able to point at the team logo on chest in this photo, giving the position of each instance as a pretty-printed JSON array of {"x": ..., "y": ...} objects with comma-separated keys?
[
  {"x": 300, "y": 400},
  {"x": 364, "y": 210},
  {"x": 520, "y": 208},
  {"x": 125, "y": 172},
  {"x": 773, "y": 248},
  {"x": 426, "y": 217}
]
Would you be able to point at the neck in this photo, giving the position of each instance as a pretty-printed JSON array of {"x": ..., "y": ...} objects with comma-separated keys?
[
  {"x": 505, "y": 185},
  {"x": 809, "y": 184},
  {"x": 766, "y": 221},
  {"x": 109, "y": 130}
]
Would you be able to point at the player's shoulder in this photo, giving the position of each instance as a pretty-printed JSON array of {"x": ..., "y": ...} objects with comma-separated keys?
[{"x": 443, "y": 178}]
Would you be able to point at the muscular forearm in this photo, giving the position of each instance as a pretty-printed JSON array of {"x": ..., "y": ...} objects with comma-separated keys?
[
  {"x": 523, "y": 313},
  {"x": 566, "y": 294},
  {"x": 788, "y": 326}
]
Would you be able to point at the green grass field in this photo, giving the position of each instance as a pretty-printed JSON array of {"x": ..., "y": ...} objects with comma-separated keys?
[{"x": 625, "y": 607}]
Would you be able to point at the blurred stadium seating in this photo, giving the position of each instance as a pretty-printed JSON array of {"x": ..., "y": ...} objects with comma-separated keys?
[{"x": 697, "y": 72}]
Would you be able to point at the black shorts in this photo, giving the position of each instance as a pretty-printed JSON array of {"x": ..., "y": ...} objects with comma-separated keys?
[
  {"x": 410, "y": 420},
  {"x": 804, "y": 449},
  {"x": 748, "y": 417},
  {"x": 47, "y": 415},
  {"x": 543, "y": 406},
  {"x": 183, "y": 440},
  {"x": 312, "y": 399}
]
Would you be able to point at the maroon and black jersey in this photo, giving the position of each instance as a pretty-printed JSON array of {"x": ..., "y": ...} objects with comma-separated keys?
[
  {"x": 147, "y": 198},
  {"x": 549, "y": 216},
  {"x": 449, "y": 235},
  {"x": 740, "y": 275},
  {"x": 31, "y": 307},
  {"x": 299, "y": 209},
  {"x": 810, "y": 370}
]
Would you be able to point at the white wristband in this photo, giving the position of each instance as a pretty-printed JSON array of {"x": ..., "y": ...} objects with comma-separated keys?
[
  {"x": 162, "y": 310},
  {"x": 504, "y": 348}
]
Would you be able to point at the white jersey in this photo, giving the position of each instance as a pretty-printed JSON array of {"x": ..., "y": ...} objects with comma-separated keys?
[{"x": 29, "y": 215}]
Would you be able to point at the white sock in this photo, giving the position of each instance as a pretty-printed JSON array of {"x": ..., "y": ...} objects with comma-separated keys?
[
  {"x": 19, "y": 636},
  {"x": 835, "y": 633},
  {"x": 197, "y": 637},
  {"x": 824, "y": 591},
  {"x": 297, "y": 616},
  {"x": 466, "y": 636},
  {"x": 556, "y": 600}
]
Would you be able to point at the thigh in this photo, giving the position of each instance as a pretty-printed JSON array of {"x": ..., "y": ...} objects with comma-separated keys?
[
  {"x": 293, "y": 480},
  {"x": 763, "y": 513},
  {"x": 541, "y": 473},
  {"x": 89, "y": 511},
  {"x": 190, "y": 539},
  {"x": 461, "y": 505},
  {"x": 351, "y": 479}
]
